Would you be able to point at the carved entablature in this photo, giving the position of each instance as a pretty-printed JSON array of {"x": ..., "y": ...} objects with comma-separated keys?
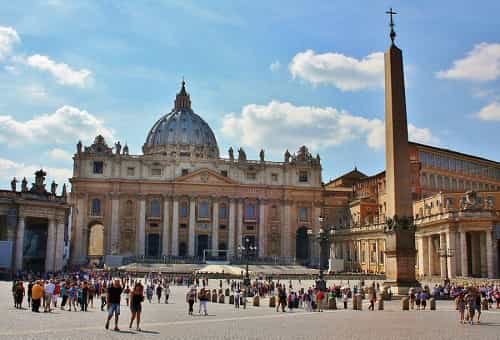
[{"x": 99, "y": 147}]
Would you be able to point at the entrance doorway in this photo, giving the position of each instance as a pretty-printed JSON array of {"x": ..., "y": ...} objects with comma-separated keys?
[
  {"x": 302, "y": 245},
  {"x": 201, "y": 244},
  {"x": 96, "y": 240},
  {"x": 35, "y": 245},
  {"x": 153, "y": 245}
]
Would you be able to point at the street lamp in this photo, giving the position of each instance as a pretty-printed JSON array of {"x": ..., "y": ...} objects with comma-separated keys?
[
  {"x": 446, "y": 253},
  {"x": 324, "y": 237},
  {"x": 246, "y": 252}
]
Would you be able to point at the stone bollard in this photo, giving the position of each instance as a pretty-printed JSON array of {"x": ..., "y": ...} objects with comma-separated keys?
[
  {"x": 220, "y": 291},
  {"x": 380, "y": 304},
  {"x": 359, "y": 301},
  {"x": 354, "y": 303},
  {"x": 405, "y": 303},
  {"x": 484, "y": 304},
  {"x": 432, "y": 304},
  {"x": 231, "y": 299},
  {"x": 221, "y": 298},
  {"x": 214, "y": 297},
  {"x": 256, "y": 301},
  {"x": 332, "y": 303},
  {"x": 227, "y": 292},
  {"x": 272, "y": 301}
]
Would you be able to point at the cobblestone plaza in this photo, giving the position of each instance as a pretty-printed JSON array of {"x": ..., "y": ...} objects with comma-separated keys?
[{"x": 162, "y": 321}]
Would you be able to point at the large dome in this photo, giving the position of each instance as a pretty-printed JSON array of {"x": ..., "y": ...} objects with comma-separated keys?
[{"x": 182, "y": 133}]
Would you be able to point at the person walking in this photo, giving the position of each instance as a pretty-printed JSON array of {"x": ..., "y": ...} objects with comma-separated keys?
[
  {"x": 237, "y": 298},
  {"x": 113, "y": 302},
  {"x": 49, "y": 291},
  {"x": 36, "y": 297},
  {"x": 191, "y": 299},
  {"x": 461, "y": 307},
  {"x": 30, "y": 287},
  {"x": 345, "y": 298},
  {"x": 19, "y": 294},
  {"x": 167, "y": 293},
  {"x": 203, "y": 298},
  {"x": 104, "y": 296},
  {"x": 84, "y": 302},
  {"x": 159, "y": 290},
  {"x": 136, "y": 299}
]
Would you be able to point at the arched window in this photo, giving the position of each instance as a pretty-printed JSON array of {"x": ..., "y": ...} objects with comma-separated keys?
[
  {"x": 155, "y": 210},
  {"x": 96, "y": 207}
]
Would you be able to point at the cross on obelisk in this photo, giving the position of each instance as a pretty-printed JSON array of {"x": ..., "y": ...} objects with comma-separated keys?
[{"x": 391, "y": 25}]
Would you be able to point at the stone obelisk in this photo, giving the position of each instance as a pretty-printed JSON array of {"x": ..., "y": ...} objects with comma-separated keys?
[{"x": 400, "y": 235}]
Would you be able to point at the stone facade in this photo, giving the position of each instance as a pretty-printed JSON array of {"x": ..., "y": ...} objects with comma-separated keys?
[
  {"x": 172, "y": 201},
  {"x": 35, "y": 222}
]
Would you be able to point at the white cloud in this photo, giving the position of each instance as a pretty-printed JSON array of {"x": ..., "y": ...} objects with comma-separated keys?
[
  {"x": 480, "y": 64},
  {"x": 282, "y": 125},
  {"x": 68, "y": 124},
  {"x": 34, "y": 91},
  {"x": 8, "y": 38},
  {"x": 63, "y": 73},
  {"x": 346, "y": 73},
  {"x": 490, "y": 112},
  {"x": 10, "y": 169},
  {"x": 59, "y": 154},
  {"x": 275, "y": 66}
]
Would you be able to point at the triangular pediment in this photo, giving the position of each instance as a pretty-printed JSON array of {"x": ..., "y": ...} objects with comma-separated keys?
[{"x": 205, "y": 176}]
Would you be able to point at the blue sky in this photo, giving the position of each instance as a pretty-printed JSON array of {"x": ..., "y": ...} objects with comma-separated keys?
[{"x": 263, "y": 74}]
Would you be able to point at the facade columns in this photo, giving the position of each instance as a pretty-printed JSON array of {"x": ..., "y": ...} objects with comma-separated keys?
[
  {"x": 80, "y": 241},
  {"x": 451, "y": 261},
  {"x": 175, "y": 226},
  {"x": 51, "y": 240},
  {"x": 442, "y": 259},
  {"x": 165, "y": 242},
  {"x": 463, "y": 254},
  {"x": 20, "y": 242},
  {"x": 192, "y": 226},
  {"x": 115, "y": 206},
  {"x": 239, "y": 225},
  {"x": 59, "y": 251},
  {"x": 430, "y": 248},
  {"x": 230, "y": 241},
  {"x": 378, "y": 255},
  {"x": 286, "y": 234},
  {"x": 489, "y": 255},
  {"x": 482, "y": 254},
  {"x": 421, "y": 256},
  {"x": 215, "y": 227},
  {"x": 141, "y": 237},
  {"x": 262, "y": 229}
]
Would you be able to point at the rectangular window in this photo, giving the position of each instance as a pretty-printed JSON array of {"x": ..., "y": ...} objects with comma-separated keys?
[
  {"x": 223, "y": 173},
  {"x": 251, "y": 175},
  {"x": 303, "y": 176},
  {"x": 155, "y": 172},
  {"x": 184, "y": 210},
  {"x": 185, "y": 172},
  {"x": 223, "y": 211},
  {"x": 303, "y": 214},
  {"x": 98, "y": 167},
  {"x": 250, "y": 211},
  {"x": 203, "y": 210},
  {"x": 130, "y": 171},
  {"x": 274, "y": 177},
  {"x": 250, "y": 227}
]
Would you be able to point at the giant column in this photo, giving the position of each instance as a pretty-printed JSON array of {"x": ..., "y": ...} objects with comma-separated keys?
[
  {"x": 400, "y": 235},
  {"x": 115, "y": 206},
  {"x": 50, "y": 250},
  {"x": 175, "y": 226},
  {"x": 215, "y": 227},
  {"x": 230, "y": 236},
  {"x": 451, "y": 260},
  {"x": 166, "y": 230},
  {"x": 489, "y": 255},
  {"x": 141, "y": 231},
  {"x": 239, "y": 225},
  {"x": 262, "y": 231},
  {"x": 464, "y": 259},
  {"x": 59, "y": 251},
  {"x": 192, "y": 226},
  {"x": 20, "y": 243}
]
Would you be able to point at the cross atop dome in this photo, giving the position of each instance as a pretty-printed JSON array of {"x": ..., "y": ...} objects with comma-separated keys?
[{"x": 182, "y": 100}]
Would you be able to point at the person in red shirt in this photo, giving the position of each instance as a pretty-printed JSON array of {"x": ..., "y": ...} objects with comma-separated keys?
[{"x": 57, "y": 293}]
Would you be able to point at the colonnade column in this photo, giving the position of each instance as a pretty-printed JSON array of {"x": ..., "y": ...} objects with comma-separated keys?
[
  {"x": 239, "y": 225},
  {"x": 483, "y": 269},
  {"x": 378, "y": 255},
  {"x": 175, "y": 226},
  {"x": 430, "y": 258},
  {"x": 463, "y": 254},
  {"x": 489, "y": 255},
  {"x": 451, "y": 260},
  {"x": 49, "y": 252},
  {"x": 59, "y": 248},
  {"x": 114, "y": 239},
  {"x": 230, "y": 236},
  {"x": 192, "y": 226},
  {"x": 262, "y": 229},
  {"x": 141, "y": 232},
  {"x": 20, "y": 242},
  {"x": 286, "y": 235},
  {"x": 442, "y": 259},
  {"x": 420, "y": 254},
  {"x": 165, "y": 242},
  {"x": 215, "y": 227}
]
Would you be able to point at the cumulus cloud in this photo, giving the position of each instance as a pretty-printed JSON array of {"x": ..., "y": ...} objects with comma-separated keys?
[
  {"x": 283, "y": 126},
  {"x": 346, "y": 73},
  {"x": 10, "y": 169},
  {"x": 8, "y": 38},
  {"x": 275, "y": 66},
  {"x": 482, "y": 63},
  {"x": 65, "y": 125},
  {"x": 59, "y": 154},
  {"x": 490, "y": 112},
  {"x": 63, "y": 73}
]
